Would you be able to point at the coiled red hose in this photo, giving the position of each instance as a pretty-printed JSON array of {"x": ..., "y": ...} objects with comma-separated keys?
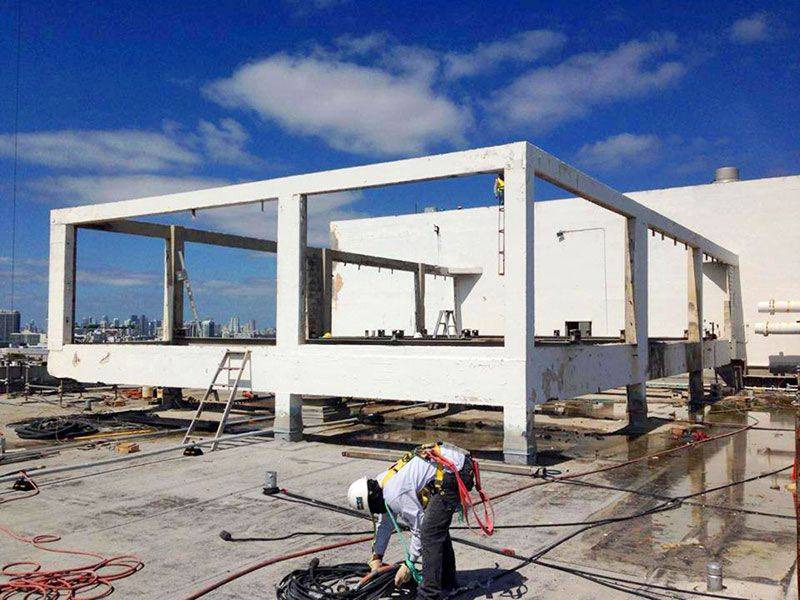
[{"x": 27, "y": 579}]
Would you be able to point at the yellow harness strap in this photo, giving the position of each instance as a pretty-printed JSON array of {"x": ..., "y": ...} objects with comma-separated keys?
[{"x": 424, "y": 493}]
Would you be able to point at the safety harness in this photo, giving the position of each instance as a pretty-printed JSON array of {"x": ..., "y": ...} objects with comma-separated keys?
[{"x": 432, "y": 454}]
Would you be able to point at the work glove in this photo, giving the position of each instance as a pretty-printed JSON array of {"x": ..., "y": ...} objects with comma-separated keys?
[
  {"x": 403, "y": 576},
  {"x": 375, "y": 564}
]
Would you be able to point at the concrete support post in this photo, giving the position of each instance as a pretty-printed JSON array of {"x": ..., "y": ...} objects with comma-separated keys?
[
  {"x": 734, "y": 313},
  {"x": 419, "y": 298},
  {"x": 327, "y": 291},
  {"x": 519, "y": 443},
  {"x": 636, "y": 329},
  {"x": 695, "y": 327},
  {"x": 61, "y": 312},
  {"x": 172, "y": 320},
  {"x": 290, "y": 330}
]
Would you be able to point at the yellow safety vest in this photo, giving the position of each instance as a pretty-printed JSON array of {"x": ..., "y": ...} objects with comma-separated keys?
[{"x": 499, "y": 186}]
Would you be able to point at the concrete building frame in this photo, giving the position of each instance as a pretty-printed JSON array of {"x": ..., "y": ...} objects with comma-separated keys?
[{"x": 516, "y": 375}]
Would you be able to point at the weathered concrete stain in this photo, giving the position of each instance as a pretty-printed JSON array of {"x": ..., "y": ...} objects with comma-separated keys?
[{"x": 338, "y": 284}]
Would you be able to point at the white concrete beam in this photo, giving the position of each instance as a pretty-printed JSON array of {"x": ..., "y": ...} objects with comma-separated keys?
[
  {"x": 453, "y": 164},
  {"x": 559, "y": 173}
]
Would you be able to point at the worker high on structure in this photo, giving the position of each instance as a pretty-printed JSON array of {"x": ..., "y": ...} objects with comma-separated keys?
[
  {"x": 422, "y": 491},
  {"x": 500, "y": 189}
]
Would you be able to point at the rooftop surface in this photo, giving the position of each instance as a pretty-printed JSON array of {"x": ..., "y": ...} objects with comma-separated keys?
[{"x": 168, "y": 509}]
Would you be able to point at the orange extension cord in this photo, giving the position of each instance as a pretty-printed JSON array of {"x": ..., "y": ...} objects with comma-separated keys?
[{"x": 27, "y": 579}]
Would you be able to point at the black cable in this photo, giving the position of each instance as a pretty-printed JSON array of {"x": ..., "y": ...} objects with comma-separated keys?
[
  {"x": 54, "y": 428},
  {"x": 228, "y": 537},
  {"x": 342, "y": 582}
]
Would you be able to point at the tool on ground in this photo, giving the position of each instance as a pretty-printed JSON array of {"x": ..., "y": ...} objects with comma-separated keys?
[
  {"x": 271, "y": 484},
  {"x": 232, "y": 361}
]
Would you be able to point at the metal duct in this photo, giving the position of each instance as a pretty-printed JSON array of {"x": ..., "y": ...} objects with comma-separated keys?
[
  {"x": 773, "y": 306},
  {"x": 726, "y": 174},
  {"x": 778, "y": 328}
]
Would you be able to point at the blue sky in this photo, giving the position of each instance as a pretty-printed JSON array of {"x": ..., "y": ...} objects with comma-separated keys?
[{"x": 123, "y": 99}]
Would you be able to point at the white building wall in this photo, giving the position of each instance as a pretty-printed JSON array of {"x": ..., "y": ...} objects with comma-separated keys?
[{"x": 756, "y": 219}]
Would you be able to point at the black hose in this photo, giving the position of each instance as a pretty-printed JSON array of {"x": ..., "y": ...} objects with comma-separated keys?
[
  {"x": 54, "y": 428},
  {"x": 342, "y": 582}
]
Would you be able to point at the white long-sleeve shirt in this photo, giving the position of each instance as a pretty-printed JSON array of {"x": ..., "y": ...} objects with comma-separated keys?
[{"x": 401, "y": 497}]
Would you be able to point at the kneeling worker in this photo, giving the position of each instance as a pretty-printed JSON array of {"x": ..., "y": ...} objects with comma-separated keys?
[{"x": 420, "y": 491}]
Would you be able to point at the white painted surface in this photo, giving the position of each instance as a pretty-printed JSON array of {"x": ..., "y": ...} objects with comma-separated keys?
[
  {"x": 756, "y": 219},
  {"x": 516, "y": 375}
]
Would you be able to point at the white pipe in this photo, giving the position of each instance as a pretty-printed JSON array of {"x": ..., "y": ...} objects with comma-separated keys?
[
  {"x": 773, "y": 306},
  {"x": 779, "y": 328},
  {"x": 135, "y": 455}
]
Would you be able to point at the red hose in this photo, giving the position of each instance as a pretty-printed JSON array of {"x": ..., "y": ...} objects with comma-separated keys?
[
  {"x": 272, "y": 561},
  {"x": 92, "y": 581},
  {"x": 622, "y": 464},
  {"x": 487, "y": 523}
]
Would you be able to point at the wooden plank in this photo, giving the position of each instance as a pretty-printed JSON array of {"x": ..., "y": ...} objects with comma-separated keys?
[{"x": 486, "y": 465}]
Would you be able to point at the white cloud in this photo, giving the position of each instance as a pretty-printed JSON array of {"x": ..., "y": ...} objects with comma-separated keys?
[
  {"x": 124, "y": 149},
  {"x": 118, "y": 277},
  {"x": 252, "y": 221},
  {"x": 351, "y": 107},
  {"x": 618, "y": 150},
  {"x": 132, "y": 150},
  {"x": 754, "y": 28},
  {"x": 523, "y": 46},
  {"x": 550, "y": 95},
  {"x": 85, "y": 189},
  {"x": 224, "y": 143}
]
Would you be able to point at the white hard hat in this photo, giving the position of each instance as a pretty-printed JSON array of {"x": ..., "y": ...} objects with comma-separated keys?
[{"x": 358, "y": 494}]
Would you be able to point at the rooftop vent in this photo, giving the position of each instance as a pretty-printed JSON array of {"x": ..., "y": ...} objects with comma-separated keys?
[{"x": 726, "y": 174}]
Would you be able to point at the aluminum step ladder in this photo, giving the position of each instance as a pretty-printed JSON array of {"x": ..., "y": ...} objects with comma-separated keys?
[
  {"x": 233, "y": 361},
  {"x": 447, "y": 323}
]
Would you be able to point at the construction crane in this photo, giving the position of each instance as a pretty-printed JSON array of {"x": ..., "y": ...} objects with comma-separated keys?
[{"x": 183, "y": 275}]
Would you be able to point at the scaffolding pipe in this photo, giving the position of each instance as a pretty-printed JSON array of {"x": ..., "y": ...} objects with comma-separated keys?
[
  {"x": 126, "y": 457},
  {"x": 777, "y": 328},
  {"x": 773, "y": 306}
]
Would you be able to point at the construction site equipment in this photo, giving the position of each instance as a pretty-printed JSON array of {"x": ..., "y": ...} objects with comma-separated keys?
[
  {"x": 271, "y": 484},
  {"x": 183, "y": 275},
  {"x": 447, "y": 323},
  {"x": 54, "y": 428},
  {"x": 232, "y": 361}
]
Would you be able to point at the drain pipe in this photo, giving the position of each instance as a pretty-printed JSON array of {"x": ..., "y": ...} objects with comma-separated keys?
[{"x": 126, "y": 457}]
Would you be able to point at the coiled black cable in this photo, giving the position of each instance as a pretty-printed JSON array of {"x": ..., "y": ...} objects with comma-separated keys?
[
  {"x": 55, "y": 428},
  {"x": 342, "y": 582}
]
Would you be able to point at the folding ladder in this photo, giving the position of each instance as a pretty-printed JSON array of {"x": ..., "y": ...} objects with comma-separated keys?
[
  {"x": 232, "y": 362},
  {"x": 447, "y": 323}
]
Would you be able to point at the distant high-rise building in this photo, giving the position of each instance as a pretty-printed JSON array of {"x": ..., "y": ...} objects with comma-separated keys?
[
  {"x": 207, "y": 328},
  {"x": 234, "y": 325},
  {"x": 9, "y": 323}
]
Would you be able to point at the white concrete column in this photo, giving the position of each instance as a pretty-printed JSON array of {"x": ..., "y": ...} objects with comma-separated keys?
[
  {"x": 734, "y": 313},
  {"x": 636, "y": 329},
  {"x": 172, "y": 320},
  {"x": 519, "y": 443},
  {"x": 61, "y": 310},
  {"x": 290, "y": 325},
  {"x": 695, "y": 325}
]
